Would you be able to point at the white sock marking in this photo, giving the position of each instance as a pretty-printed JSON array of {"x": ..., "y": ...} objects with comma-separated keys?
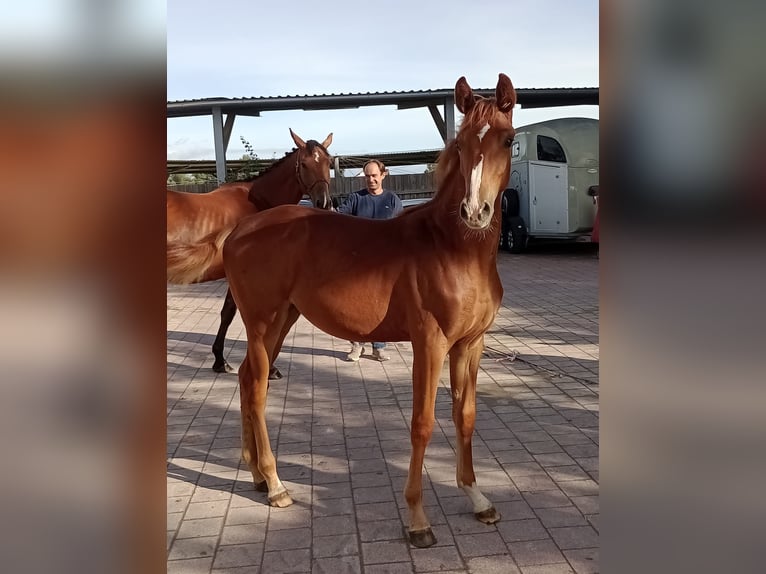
[{"x": 480, "y": 502}]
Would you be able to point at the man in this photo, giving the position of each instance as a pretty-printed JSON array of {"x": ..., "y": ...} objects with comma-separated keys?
[{"x": 374, "y": 202}]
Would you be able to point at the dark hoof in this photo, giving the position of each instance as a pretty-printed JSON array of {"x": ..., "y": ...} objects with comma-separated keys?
[
  {"x": 421, "y": 538},
  {"x": 489, "y": 516},
  {"x": 222, "y": 367},
  {"x": 274, "y": 374},
  {"x": 262, "y": 486}
]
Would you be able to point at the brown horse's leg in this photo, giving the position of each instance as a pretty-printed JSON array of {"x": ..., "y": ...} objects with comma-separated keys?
[
  {"x": 464, "y": 369},
  {"x": 254, "y": 390},
  {"x": 428, "y": 360},
  {"x": 228, "y": 311},
  {"x": 275, "y": 338},
  {"x": 249, "y": 449}
]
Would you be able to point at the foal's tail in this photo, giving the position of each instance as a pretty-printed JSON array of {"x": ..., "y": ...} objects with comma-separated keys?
[{"x": 196, "y": 262}]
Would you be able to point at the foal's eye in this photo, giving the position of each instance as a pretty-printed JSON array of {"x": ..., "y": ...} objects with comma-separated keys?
[{"x": 508, "y": 141}]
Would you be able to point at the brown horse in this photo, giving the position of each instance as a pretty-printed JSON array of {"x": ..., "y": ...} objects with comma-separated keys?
[
  {"x": 428, "y": 276},
  {"x": 198, "y": 223}
]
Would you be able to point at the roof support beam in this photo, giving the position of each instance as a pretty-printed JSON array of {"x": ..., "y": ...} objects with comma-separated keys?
[
  {"x": 439, "y": 121},
  {"x": 220, "y": 146},
  {"x": 227, "y": 130},
  {"x": 446, "y": 124}
]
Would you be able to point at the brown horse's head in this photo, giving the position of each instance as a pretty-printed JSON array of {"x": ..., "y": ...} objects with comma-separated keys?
[
  {"x": 313, "y": 169},
  {"x": 483, "y": 143}
]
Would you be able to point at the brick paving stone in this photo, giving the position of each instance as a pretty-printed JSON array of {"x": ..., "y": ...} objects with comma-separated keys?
[
  {"x": 547, "y": 569},
  {"x": 337, "y": 565},
  {"x": 583, "y": 561},
  {"x": 284, "y": 561},
  {"x": 481, "y": 544},
  {"x": 238, "y": 555},
  {"x": 192, "y": 566},
  {"x": 288, "y": 539},
  {"x": 385, "y": 552},
  {"x": 561, "y": 516},
  {"x": 522, "y": 530},
  {"x": 200, "y": 527},
  {"x": 436, "y": 558},
  {"x": 395, "y": 568},
  {"x": 572, "y": 537},
  {"x": 498, "y": 564},
  {"x": 534, "y": 552},
  {"x": 201, "y": 547},
  {"x": 335, "y": 545}
]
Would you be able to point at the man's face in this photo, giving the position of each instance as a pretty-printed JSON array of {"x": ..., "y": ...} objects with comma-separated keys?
[{"x": 374, "y": 178}]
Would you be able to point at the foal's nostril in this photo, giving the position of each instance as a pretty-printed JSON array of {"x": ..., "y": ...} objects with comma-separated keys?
[
  {"x": 464, "y": 210},
  {"x": 486, "y": 209}
]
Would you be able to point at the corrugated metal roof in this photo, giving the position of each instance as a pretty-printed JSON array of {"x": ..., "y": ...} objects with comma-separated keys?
[{"x": 527, "y": 97}]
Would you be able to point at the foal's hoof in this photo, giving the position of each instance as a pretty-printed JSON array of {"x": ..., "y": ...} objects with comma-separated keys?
[
  {"x": 274, "y": 374},
  {"x": 489, "y": 516},
  {"x": 262, "y": 486},
  {"x": 421, "y": 538},
  {"x": 223, "y": 367},
  {"x": 280, "y": 500}
]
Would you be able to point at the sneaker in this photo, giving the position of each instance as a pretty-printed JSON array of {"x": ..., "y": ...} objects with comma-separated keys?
[
  {"x": 380, "y": 355},
  {"x": 356, "y": 351}
]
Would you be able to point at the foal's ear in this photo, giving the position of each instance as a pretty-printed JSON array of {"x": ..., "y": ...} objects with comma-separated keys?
[
  {"x": 463, "y": 96},
  {"x": 296, "y": 138},
  {"x": 505, "y": 95},
  {"x": 327, "y": 141}
]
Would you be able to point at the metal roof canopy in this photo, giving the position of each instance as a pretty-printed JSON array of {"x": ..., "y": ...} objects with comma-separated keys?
[{"x": 431, "y": 99}]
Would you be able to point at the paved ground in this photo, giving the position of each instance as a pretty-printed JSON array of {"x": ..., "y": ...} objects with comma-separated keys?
[{"x": 340, "y": 433}]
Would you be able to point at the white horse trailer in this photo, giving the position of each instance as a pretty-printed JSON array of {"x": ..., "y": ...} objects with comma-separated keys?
[{"x": 552, "y": 189}]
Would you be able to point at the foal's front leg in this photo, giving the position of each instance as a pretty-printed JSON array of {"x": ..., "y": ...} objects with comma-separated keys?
[
  {"x": 464, "y": 370},
  {"x": 427, "y": 363}
]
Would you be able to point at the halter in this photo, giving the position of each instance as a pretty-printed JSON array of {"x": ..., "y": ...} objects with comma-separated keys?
[{"x": 300, "y": 179}]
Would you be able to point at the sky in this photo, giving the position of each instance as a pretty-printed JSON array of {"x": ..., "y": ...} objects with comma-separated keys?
[{"x": 237, "y": 48}]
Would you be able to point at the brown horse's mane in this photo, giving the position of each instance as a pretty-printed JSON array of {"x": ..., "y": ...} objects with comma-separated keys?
[{"x": 310, "y": 145}]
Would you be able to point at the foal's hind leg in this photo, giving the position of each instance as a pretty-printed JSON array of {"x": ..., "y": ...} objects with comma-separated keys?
[
  {"x": 464, "y": 369},
  {"x": 228, "y": 311},
  {"x": 253, "y": 387},
  {"x": 249, "y": 448}
]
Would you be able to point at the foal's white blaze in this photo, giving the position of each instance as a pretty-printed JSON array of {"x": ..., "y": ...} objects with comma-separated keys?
[
  {"x": 473, "y": 196},
  {"x": 479, "y": 501},
  {"x": 316, "y": 155},
  {"x": 483, "y": 131}
]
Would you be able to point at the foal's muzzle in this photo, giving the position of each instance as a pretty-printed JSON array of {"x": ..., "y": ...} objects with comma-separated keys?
[
  {"x": 320, "y": 195},
  {"x": 477, "y": 218}
]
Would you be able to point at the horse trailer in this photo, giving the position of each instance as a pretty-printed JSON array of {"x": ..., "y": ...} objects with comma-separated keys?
[{"x": 553, "y": 187}]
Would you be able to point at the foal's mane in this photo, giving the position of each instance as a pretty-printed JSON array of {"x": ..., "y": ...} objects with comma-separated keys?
[{"x": 310, "y": 145}]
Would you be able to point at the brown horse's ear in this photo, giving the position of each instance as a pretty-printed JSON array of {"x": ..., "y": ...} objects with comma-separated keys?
[
  {"x": 505, "y": 95},
  {"x": 298, "y": 141},
  {"x": 327, "y": 141},
  {"x": 463, "y": 96}
]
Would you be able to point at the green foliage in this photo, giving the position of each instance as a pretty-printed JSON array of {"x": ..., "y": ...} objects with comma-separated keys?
[{"x": 249, "y": 169}]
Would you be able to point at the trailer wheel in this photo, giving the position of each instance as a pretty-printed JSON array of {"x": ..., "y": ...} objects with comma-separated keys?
[{"x": 514, "y": 235}]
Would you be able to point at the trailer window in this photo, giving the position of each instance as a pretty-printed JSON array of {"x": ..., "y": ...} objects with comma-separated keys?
[{"x": 548, "y": 149}]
